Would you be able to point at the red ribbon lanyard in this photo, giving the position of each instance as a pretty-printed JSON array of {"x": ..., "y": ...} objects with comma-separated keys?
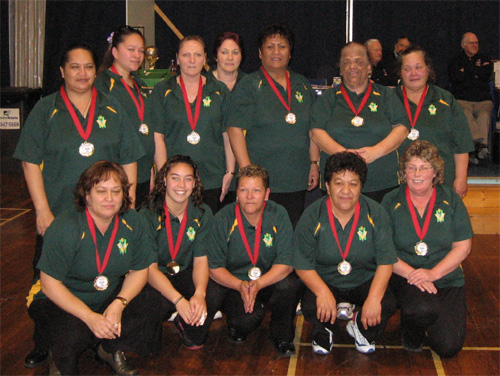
[
  {"x": 90, "y": 222},
  {"x": 363, "y": 102},
  {"x": 192, "y": 122},
  {"x": 90, "y": 121},
  {"x": 275, "y": 89},
  {"x": 168, "y": 226},
  {"x": 334, "y": 229},
  {"x": 421, "y": 232},
  {"x": 139, "y": 105},
  {"x": 419, "y": 107},
  {"x": 256, "y": 246}
]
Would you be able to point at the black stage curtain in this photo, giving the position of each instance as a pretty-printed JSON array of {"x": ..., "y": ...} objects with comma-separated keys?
[{"x": 4, "y": 43}]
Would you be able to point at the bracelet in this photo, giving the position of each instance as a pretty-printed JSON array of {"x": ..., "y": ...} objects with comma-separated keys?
[
  {"x": 315, "y": 162},
  {"x": 178, "y": 300},
  {"x": 229, "y": 172},
  {"x": 123, "y": 300}
]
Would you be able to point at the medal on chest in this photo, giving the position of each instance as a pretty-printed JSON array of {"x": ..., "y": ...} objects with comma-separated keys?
[
  {"x": 290, "y": 117},
  {"x": 173, "y": 267},
  {"x": 194, "y": 137},
  {"x": 421, "y": 248},
  {"x": 357, "y": 120},
  {"x": 414, "y": 133}
]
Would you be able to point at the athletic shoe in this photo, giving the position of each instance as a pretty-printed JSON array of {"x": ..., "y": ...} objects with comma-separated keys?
[
  {"x": 298, "y": 310},
  {"x": 319, "y": 349},
  {"x": 362, "y": 344},
  {"x": 345, "y": 310},
  {"x": 218, "y": 315}
]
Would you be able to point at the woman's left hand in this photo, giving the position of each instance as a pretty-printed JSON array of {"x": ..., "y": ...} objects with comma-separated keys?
[
  {"x": 226, "y": 183},
  {"x": 371, "y": 314},
  {"x": 369, "y": 153},
  {"x": 199, "y": 309},
  {"x": 419, "y": 276},
  {"x": 114, "y": 314},
  {"x": 313, "y": 177}
]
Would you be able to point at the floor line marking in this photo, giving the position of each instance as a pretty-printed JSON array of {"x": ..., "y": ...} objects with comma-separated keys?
[
  {"x": 399, "y": 347},
  {"x": 292, "y": 365},
  {"x": 24, "y": 211},
  {"x": 438, "y": 364}
]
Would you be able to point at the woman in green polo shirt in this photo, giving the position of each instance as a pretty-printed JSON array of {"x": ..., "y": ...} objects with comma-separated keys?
[
  {"x": 117, "y": 77},
  {"x": 432, "y": 234}
]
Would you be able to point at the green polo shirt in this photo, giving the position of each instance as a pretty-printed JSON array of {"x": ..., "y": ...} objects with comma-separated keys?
[
  {"x": 69, "y": 254},
  {"x": 193, "y": 242},
  {"x": 381, "y": 113},
  {"x": 449, "y": 223},
  {"x": 442, "y": 123},
  {"x": 316, "y": 248},
  {"x": 170, "y": 119},
  {"x": 110, "y": 83},
  {"x": 281, "y": 148},
  {"x": 50, "y": 136},
  {"x": 226, "y": 248}
]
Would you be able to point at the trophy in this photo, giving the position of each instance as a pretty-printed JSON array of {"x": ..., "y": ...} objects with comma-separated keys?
[{"x": 151, "y": 56}]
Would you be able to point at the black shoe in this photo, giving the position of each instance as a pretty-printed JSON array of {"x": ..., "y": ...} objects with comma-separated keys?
[
  {"x": 116, "y": 361},
  {"x": 36, "y": 357},
  {"x": 186, "y": 342},
  {"x": 407, "y": 347},
  {"x": 235, "y": 337},
  {"x": 284, "y": 348}
]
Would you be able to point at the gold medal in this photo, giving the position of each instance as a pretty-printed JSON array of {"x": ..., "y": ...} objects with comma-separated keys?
[
  {"x": 86, "y": 149},
  {"x": 421, "y": 248},
  {"x": 101, "y": 283},
  {"x": 193, "y": 138},
  {"x": 144, "y": 129},
  {"x": 290, "y": 118},
  {"x": 414, "y": 134},
  {"x": 357, "y": 121},
  {"x": 344, "y": 267},
  {"x": 173, "y": 268},
  {"x": 254, "y": 273}
]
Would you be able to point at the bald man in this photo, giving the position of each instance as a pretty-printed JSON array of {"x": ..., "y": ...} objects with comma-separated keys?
[
  {"x": 379, "y": 73},
  {"x": 470, "y": 73}
]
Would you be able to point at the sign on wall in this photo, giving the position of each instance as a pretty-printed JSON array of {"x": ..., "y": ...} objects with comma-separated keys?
[{"x": 10, "y": 118}]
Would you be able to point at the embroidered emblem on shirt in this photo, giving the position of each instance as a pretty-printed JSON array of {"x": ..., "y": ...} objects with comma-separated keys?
[
  {"x": 362, "y": 234},
  {"x": 432, "y": 110},
  {"x": 299, "y": 96},
  {"x": 373, "y": 107},
  {"x": 440, "y": 215},
  {"x": 101, "y": 121},
  {"x": 191, "y": 233},
  {"x": 268, "y": 239},
  {"x": 122, "y": 246},
  {"x": 206, "y": 101}
]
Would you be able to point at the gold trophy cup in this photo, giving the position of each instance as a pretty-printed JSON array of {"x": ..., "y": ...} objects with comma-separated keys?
[{"x": 151, "y": 56}]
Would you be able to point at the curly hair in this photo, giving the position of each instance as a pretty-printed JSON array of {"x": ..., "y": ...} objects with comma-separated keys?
[
  {"x": 427, "y": 152},
  {"x": 253, "y": 171},
  {"x": 100, "y": 172},
  {"x": 427, "y": 61},
  {"x": 346, "y": 161},
  {"x": 156, "y": 199},
  {"x": 275, "y": 29}
]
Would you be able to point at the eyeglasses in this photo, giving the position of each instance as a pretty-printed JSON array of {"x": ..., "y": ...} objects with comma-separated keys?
[{"x": 421, "y": 169}]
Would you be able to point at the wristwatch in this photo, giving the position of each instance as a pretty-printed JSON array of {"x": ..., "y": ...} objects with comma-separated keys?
[
  {"x": 315, "y": 162},
  {"x": 123, "y": 300}
]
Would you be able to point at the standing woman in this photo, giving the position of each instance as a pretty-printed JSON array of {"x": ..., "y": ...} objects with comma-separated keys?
[
  {"x": 188, "y": 111},
  {"x": 268, "y": 122},
  {"x": 228, "y": 52},
  {"x": 435, "y": 116},
  {"x": 117, "y": 77},
  {"x": 67, "y": 132},
  {"x": 178, "y": 223}
]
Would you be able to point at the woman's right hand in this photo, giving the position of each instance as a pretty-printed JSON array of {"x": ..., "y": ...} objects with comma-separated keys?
[
  {"x": 102, "y": 327},
  {"x": 43, "y": 220},
  {"x": 184, "y": 309}
]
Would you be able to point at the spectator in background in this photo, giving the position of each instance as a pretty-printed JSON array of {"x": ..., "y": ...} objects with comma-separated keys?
[
  {"x": 379, "y": 73},
  {"x": 391, "y": 59}
]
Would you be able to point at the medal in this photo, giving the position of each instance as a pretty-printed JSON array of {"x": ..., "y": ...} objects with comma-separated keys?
[
  {"x": 101, "y": 283},
  {"x": 344, "y": 267},
  {"x": 254, "y": 273},
  {"x": 421, "y": 248},
  {"x": 357, "y": 120},
  {"x": 413, "y": 135},
  {"x": 144, "y": 129},
  {"x": 193, "y": 138},
  {"x": 173, "y": 268},
  {"x": 290, "y": 118},
  {"x": 86, "y": 149}
]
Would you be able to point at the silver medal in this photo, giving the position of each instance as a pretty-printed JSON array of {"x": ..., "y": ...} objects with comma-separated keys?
[
  {"x": 421, "y": 248},
  {"x": 254, "y": 273},
  {"x": 86, "y": 149},
  {"x": 357, "y": 121},
  {"x": 290, "y": 118},
  {"x": 344, "y": 267},
  {"x": 193, "y": 138},
  {"x": 144, "y": 129},
  {"x": 414, "y": 134},
  {"x": 101, "y": 283}
]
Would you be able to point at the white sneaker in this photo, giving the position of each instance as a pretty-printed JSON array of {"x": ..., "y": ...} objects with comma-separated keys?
[
  {"x": 218, "y": 315},
  {"x": 174, "y": 315},
  {"x": 362, "y": 344},
  {"x": 345, "y": 310},
  {"x": 320, "y": 349},
  {"x": 298, "y": 310}
]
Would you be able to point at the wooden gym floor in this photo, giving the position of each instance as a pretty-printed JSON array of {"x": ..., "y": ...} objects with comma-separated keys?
[{"x": 480, "y": 356}]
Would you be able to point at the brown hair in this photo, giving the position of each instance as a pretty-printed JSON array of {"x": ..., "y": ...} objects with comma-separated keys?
[
  {"x": 253, "y": 171},
  {"x": 426, "y": 152}
]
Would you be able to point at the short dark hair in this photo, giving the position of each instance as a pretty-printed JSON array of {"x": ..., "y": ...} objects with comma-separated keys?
[
  {"x": 253, "y": 171},
  {"x": 225, "y": 35},
  {"x": 275, "y": 29},
  {"x": 346, "y": 161},
  {"x": 98, "y": 172},
  {"x": 77, "y": 46},
  {"x": 427, "y": 61}
]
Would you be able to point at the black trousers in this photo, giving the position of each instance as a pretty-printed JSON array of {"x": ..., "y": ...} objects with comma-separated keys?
[
  {"x": 356, "y": 296},
  {"x": 293, "y": 203},
  {"x": 442, "y": 316},
  {"x": 379, "y": 195},
  {"x": 68, "y": 336},
  {"x": 141, "y": 194},
  {"x": 183, "y": 282},
  {"x": 281, "y": 298}
]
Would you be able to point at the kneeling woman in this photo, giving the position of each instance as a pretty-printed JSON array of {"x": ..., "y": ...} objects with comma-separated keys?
[
  {"x": 432, "y": 234},
  {"x": 179, "y": 222},
  {"x": 94, "y": 263}
]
